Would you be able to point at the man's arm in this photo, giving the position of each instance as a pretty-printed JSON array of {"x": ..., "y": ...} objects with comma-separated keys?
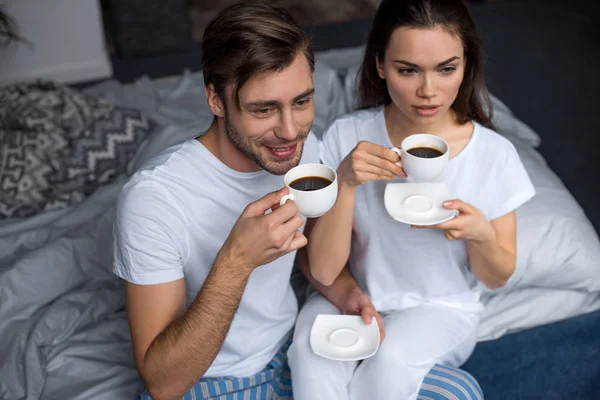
[{"x": 173, "y": 349}]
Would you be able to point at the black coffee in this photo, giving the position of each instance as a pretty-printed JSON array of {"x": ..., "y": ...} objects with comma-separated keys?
[
  {"x": 424, "y": 152},
  {"x": 308, "y": 183}
]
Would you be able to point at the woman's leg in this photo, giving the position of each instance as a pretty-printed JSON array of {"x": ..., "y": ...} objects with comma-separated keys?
[
  {"x": 416, "y": 339},
  {"x": 315, "y": 377}
]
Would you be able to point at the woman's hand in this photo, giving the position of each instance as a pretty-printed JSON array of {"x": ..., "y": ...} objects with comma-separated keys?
[
  {"x": 368, "y": 162},
  {"x": 470, "y": 224}
]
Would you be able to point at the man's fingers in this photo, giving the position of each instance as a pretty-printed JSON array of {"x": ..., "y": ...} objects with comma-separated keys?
[
  {"x": 283, "y": 232},
  {"x": 260, "y": 206},
  {"x": 367, "y": 316},
  {"x": 298, "y": 241},
  {"x": 367, "y": 313},
  {"x": 283, "y": 213},
  {"x": 381, "y": 327},
  {"x": 288, "y": 241}
]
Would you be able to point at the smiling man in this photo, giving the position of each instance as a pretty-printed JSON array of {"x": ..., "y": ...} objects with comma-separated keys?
[{"x": 205, "y": 253}]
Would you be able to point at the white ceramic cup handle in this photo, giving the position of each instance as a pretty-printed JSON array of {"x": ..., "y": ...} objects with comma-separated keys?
[
  {"x": 399, "y": 152},
  {"x": 285, "y": 198}
]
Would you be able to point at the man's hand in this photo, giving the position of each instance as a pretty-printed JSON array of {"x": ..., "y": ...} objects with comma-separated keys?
[
  {"x": 356, "y": 302},
  {"x": 257, "y": 239}
]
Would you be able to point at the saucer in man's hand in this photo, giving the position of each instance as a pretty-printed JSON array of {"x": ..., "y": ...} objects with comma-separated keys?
[{"x": 344, "y": 337}]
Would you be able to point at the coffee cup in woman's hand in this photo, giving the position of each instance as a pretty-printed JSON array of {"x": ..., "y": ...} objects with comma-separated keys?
[{"x": 423, "y": 156}]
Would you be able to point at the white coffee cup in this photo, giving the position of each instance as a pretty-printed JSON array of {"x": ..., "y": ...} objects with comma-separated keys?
[
  {"x": 311, "y": 203},
  {"x": 419, "y": 168}
]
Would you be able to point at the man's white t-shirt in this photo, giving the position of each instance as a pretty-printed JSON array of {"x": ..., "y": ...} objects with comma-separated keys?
[
  {"x": 173, "y": 216},
  {"x": 402, "y": 267}
]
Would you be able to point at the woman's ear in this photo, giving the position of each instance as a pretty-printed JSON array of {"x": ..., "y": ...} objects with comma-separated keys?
[
  {"x": 214, "y": 101},
  {"x": 379, "y": 66}
]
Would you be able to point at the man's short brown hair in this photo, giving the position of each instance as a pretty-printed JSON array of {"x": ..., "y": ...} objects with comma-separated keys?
[{"x": 248, "y": 38}]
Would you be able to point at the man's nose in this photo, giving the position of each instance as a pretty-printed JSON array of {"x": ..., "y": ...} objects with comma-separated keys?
[{"x": 287, "y": 129}]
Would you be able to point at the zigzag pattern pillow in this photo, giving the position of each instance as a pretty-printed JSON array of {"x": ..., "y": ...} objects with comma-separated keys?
[{"x": 57, "y": 146}]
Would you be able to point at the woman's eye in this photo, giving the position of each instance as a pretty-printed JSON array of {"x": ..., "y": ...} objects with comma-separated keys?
[
  {"x": 407, "y": 71},
  {"x": 447, "y": 70}
]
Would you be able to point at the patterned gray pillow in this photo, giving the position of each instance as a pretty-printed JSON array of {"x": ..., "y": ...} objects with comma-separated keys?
[{"x": 57, "y": 146}]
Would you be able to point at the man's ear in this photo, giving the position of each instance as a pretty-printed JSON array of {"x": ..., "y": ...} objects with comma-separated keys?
[
  {"x": 379, "y": 67},
  {"x": 214, "y": 101}
]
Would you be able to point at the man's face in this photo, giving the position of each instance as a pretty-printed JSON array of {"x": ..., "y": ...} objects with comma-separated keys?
[{"x": 277, "y": 111}]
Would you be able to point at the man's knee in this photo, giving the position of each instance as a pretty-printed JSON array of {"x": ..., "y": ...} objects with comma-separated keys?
[{"x": 443, "y": 383}]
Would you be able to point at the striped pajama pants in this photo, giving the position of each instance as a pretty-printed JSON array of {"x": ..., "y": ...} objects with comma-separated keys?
[{"x": 275, "y": 383}]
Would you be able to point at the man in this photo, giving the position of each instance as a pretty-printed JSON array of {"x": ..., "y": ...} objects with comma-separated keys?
[{"x": 205, "y": 251}]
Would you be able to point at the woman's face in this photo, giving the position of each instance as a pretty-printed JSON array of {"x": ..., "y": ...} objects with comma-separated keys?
[{"x": 423, "y": 69}]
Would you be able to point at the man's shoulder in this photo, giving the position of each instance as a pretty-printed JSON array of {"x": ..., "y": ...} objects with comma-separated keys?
[
  {"x": 167, "y": 159},
  {"x": 151, "y": 186}
]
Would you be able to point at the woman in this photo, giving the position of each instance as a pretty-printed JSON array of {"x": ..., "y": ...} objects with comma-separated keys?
[{"x": 421, "y": 73}]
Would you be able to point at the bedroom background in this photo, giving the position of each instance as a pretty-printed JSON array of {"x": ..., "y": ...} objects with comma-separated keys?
[{"x": 90, "y": 73}]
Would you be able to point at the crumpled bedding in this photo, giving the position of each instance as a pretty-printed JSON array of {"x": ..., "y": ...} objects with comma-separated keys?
[{"x": 58, "y": 145}]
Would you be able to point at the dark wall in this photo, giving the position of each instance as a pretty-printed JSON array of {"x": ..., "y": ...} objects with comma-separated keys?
[{"x": 543, "y": 61}]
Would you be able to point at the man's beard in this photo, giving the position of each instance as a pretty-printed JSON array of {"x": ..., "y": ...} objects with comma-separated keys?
[{"x": 245, "y": 147}]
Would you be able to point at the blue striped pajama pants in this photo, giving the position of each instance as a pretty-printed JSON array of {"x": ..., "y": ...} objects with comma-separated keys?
[{"x": 275, "y": 383}]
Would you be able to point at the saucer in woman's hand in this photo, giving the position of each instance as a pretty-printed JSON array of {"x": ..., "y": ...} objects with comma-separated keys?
[{"x": 418, "y": 203}]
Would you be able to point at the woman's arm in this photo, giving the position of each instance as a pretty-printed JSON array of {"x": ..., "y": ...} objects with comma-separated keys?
[
  {"x": 491, "y": 246},
  {"x": 493, "y": 260},
  {"x": 329, "y": 242}
]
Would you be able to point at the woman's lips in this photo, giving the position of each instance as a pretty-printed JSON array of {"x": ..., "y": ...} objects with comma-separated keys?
[{"x": 427, "y": 111}]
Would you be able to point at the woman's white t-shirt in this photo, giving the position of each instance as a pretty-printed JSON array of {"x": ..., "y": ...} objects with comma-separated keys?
[{"x": 400, "y": 267}]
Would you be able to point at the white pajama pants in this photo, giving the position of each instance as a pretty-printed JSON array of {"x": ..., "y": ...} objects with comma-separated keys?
[{"x": 415, "y": 340}]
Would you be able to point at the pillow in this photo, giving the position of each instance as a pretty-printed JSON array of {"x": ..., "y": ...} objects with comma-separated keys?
[
  {"x": 507, "y": 124},
  {"x": 530, "y": 307},
  {"x": 57, "y": 146},
  {"x": 557, "y": 246}
]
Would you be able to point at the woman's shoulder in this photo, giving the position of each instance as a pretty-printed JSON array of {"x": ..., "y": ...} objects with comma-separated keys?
[
  {"x": 359, "y": 121},
  {"x": 358, "y": 117},
  {"x": 492, "y": 140}
]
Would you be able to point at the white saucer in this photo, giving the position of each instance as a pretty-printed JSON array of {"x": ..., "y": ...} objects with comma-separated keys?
[
  {"x": 344, "y": 337},
  {"x": 418, "y": 203}
]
